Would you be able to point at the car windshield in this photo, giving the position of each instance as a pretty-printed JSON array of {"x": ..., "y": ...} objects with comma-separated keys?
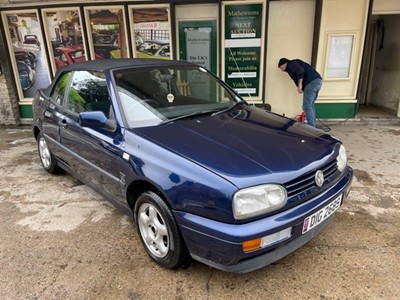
[{"x": 154, "y": 96}]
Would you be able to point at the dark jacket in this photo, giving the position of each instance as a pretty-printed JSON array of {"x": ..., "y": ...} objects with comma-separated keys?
[{"x": 297, "y": 69}]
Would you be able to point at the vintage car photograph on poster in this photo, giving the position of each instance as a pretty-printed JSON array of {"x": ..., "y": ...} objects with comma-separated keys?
[
  {"x": 63, "y": 27},
  {"x": 152, "y": 32},
  {"x": 25, "y": 44},
  {"x": 107, "y": 32}
]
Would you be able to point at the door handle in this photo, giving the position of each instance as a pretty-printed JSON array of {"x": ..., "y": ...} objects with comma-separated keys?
[{"x": 63, "y": 123}]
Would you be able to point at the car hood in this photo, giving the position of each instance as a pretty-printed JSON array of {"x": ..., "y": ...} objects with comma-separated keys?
[{"x": 245, "y": 144}]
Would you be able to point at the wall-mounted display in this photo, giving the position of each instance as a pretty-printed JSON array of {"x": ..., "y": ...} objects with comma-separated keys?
[
  {"x": 64, "y": 36},
  {"x": 28, "y": 58},
  {"x": 340, "y": 51},
  {"x": 242, "y": 42},
  {"x": 107, "y": 32},
  {"x": 151, "y": 28}
]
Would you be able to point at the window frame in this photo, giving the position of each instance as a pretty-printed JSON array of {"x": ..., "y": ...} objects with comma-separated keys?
[{"x": 339, "y": 36}]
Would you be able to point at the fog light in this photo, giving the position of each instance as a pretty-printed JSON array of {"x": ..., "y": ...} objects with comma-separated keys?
[
  {"x": 276, "y": 237},
  {"x": 266, "y": 241}
]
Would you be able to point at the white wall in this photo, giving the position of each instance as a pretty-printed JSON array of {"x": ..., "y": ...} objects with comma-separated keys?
[
  {"x": 342, "y": 17},
  {"x": 386, "y": 6},
  {"x": 290, "y": 34}
]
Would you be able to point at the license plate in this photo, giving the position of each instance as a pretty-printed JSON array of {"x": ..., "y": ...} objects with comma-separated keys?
[{"x": 317, "y": 218}]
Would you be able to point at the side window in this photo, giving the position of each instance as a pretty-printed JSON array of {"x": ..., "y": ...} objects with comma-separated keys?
[
  {"x": 88, "y": 92},
  {"x": 58, "y": 92}
]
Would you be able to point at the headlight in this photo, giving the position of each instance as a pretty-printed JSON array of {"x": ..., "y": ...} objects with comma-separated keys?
[
  {"x": 258, "y": 200},
  {"x": 342, "y": 159}
]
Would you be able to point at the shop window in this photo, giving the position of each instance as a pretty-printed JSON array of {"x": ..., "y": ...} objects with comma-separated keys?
[
  {"x": 28, "y": 58},
  {"x": 339, "y": 55},
  {"x": 151, "y": 27},
  {"x": 64, "y": 35},
  {"x": 107, "y": 32}
]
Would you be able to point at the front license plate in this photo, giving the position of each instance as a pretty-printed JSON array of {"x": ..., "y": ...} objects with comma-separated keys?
[{"x": 311, "y": 221}]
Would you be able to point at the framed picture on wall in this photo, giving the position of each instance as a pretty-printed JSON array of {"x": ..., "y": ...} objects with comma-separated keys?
[
  {"x": 107, "y": 32},
  {"x": 28, "y": 58},
  {"x": 150, "y": 25},
  {"x": 64, "y": 36}
]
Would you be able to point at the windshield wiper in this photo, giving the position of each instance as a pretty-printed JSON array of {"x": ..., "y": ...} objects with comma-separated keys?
[
  {"x": 193, "y": 114},
  {"x": 227, "y": 109}
]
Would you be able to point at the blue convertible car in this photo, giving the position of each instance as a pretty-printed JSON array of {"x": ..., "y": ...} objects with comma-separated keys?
[{"x": 203, "y": 174}]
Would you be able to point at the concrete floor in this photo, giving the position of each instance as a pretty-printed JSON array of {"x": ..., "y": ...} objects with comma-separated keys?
[
  {"x": 370, "y": 111},
  {"x": 61, "y": 240}
]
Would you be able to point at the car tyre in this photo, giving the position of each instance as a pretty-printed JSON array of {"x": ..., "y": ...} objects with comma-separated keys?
[
  {"x": 46, "y": 157},
  {"x": 159, "y": 232}
]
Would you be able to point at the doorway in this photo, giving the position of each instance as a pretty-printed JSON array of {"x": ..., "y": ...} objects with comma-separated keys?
[{"x": 379, "y": 91}]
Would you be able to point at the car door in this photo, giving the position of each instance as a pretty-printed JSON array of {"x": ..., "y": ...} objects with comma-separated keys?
[
  {"x": 54, "y": 114},
  {"x": 93, "y": 154}
]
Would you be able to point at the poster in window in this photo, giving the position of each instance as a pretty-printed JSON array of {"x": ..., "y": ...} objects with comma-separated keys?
[
  {"x": 340, "y": 51},
  {"x": 64, "y": 35},
  {"x": 107, "y": 32},
  {"x": 198, "y": 46},
  {"x": 243, "y": 36},
  {"x": 25, "y": 44},
  {"x": 152, "y": 31}
]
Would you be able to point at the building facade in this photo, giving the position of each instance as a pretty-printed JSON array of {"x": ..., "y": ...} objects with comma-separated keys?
[{"x": 351, "y": 43}]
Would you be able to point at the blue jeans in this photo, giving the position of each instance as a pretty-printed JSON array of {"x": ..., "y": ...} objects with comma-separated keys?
[{"x": 310, "y": 94}]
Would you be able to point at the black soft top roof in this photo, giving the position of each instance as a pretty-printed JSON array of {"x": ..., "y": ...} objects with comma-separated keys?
[{"x": 102, "y": 65}]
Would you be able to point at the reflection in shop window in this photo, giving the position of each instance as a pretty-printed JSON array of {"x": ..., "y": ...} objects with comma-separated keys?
[
  {"x": 25, "y": 43},
  {"x": 64, "y": 35},
  {"x": 152, "y": 31},
  {"x": 106, "y": 29},
  {"x": 88, "y": 92}
]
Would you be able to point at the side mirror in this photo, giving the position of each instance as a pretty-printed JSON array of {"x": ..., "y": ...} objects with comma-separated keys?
[
  {"x": 265, "y": 106},
  {"x": 96, "y": 119}
]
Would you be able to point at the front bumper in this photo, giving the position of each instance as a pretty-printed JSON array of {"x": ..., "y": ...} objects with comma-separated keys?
[{"x": 220, "y": 245}]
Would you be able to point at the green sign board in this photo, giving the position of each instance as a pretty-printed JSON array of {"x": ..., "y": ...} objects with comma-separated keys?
[
  {"x": 243, "y": 32},
  {"x": 242, "y": 70}
]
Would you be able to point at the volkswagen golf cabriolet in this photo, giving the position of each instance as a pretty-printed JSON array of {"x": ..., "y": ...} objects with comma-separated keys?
[{"x": 203, "y": 174}]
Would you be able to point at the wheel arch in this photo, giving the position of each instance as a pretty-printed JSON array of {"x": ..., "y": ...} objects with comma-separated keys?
[
  {"x": 36, "y": 131},
  {"x": 136, "y": 188}
]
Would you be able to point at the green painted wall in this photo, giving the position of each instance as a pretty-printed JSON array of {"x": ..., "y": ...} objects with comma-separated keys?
[
  {"x": 336, "y": 110},
  {"x": 26, "y": 111}
]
